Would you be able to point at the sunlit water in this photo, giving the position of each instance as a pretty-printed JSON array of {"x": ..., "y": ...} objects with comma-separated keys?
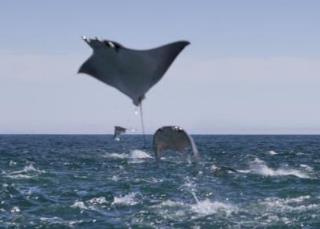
[{"x": 94, "y": 182}]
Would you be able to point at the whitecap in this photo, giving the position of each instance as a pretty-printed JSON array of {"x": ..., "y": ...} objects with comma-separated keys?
[
  {"x": 58, "y": 220},
  {"x": 306, "y": 167},
  {"x": 213, "y": 167},
  {"x": 207, "y": 207},
  {"x": 28, "y": 169},
  {"x": 79, "y": 204},
  {"x": 15, "y": 209},
  {"x": 135, "y": 156},
  {"x": 51, "y": 219},
  {"x": 296, "y": 204},
  {"x": 272, "y": 152},
  {"x": 139, "y": 154},
  {"x": 115, "y": 178},
  {"x": 12, "y": 163},
  {"x": 170, "y": 203},
  {"x": 28, "y": 172},
  {"x": 258, "y": 166},
  {"x": 116, "y": 155},
  {"x": 98, "y": 200},
  {"x": 20, "y": 176},
  {"x": 129, "y": 199},
  {"x": 173, "y": 210}
]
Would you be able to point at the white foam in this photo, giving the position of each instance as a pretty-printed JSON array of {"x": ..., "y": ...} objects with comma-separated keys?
[
  {"x": 207, "y": 207},
  {"x": 28, "y": 172},
  {"x": 116, "y": 155},
  {"x": 139, "y": 154},
  {"x": 15, "y": 209},
  {"x": 179, "y": 210},
  {"x": 115, "y": 178},
  {"x": 258, "y": 166},
  {"x": 51, "y": 219},
  {"x": 58, "y": 220},
  {"x": 272, "y": 152},
  {"x": 129, "y": 199},
  {"x": 98, "y": 200},
  {"x": 213, "y": 167},
  {"x": 12, "y": 163},
  {"x": 306, "y": 167},
  {"x": 134, "y": 155},
  {"x": 20, "y": 176},
  {"x": 31, "y": 168},
  {"x": 297, "y": 204},
  {"x": 79, "y": 204},
  {"x": 170, "y": 203},
  {"x": 28, "y": 169}
]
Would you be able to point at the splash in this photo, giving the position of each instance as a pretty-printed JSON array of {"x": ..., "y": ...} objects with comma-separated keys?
[{"x": 138, "y": 154}]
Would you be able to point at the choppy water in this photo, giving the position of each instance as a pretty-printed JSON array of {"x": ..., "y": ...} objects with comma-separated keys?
[{"x": 93, "y": 182}]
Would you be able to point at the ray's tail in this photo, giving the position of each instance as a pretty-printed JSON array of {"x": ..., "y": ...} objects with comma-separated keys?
[{"x": 142, "y": 126}]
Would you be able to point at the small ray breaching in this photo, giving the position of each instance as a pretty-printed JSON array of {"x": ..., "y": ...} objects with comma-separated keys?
[
  {"x": 118, "y": 130},
  {"x": 173, "y": 138}
]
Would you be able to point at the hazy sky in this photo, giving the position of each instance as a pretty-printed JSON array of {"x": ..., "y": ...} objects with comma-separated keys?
[{"x": 252, "y": 66}]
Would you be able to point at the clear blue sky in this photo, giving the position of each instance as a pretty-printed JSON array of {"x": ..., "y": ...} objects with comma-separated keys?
[{"x": 252, "y": 66}]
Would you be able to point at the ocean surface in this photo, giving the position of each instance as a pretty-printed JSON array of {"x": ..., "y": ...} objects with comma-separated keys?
[{"x": 91, "y": 181}]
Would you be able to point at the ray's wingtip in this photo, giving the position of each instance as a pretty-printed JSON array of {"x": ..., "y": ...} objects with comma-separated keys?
[
  {"x": 80, "y": 70},
  {"x": 186, "y": 43}
]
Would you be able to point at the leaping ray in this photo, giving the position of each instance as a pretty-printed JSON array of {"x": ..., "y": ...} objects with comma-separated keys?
[{"x": 133, "y": 72}]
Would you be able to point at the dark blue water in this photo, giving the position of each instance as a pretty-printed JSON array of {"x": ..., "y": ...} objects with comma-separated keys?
[{"x": 56, "y": 181}]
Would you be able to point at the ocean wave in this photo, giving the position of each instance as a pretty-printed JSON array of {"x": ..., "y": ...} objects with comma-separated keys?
[
  {"x": 258, "y": 166},
  {"x": 28, "y": 172},
  {"x": 284, "y": 205},
  {"x": 28, "y": 168},
  {"x": 58, "y": 220},
  {"x": 79, "y": 204}
]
